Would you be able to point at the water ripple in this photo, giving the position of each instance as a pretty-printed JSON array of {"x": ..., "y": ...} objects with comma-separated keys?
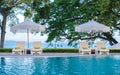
[{"x": 60, "y": 66}]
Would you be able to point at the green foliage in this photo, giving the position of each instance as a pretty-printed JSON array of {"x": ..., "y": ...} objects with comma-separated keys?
[
  {"x": 56, "y": 50},
  {"x": 28, "y": 13},
  {"x": 41, "y": 9},
  {"x": 61, "y": 16},
  {"x": 5, "y": 50},
  {"x": 114, "y": 50},
  {"x": 53, "y": 50},
  {"x": 59, "y": 25},
  {"x": 8, "y": 9},
  {"x": 66, "y": 14},
  {"x": 60, "y": 50}
]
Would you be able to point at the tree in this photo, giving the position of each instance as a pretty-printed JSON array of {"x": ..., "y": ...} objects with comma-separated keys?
[
  {"x": 61, "y": 16},
  {"x": 64, "y": 15},
  {"x": 8, "y": 9}
]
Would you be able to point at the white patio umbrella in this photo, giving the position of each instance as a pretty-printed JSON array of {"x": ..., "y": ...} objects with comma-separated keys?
[
  {"x": 27, "y": 26},
  {"x": 115, "y": 46},
  {"x": 92, "y": 26}
]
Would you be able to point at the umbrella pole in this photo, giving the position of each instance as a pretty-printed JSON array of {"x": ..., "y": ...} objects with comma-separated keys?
[{"x": 28, "y": 37}]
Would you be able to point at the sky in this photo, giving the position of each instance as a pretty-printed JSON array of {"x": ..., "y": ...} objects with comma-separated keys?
[
  {"x": 23, "y": 36},
  {"x": 33, "y": 37},
  {"x": 117, "y": 36}
]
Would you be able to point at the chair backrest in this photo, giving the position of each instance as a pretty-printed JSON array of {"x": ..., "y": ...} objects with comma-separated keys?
[
  {"x": 83, "y": 44},
  {"x": 20, "y": 44},
  {"x": 37, "y": 44},
  {"x": 100, "y": 45}
]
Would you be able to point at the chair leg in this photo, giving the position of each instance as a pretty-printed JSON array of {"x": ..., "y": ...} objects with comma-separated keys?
[
  {"x": 20, "y": 53},
  {"x": 79, "y": 51},
  {"x": 107, "y": 53},
  {"x": 89, "y": 53},
  {"x": 82, "y": 53},
  {"x": 31, "y": 53},
  {"x": 12, "y": 53},
  {"x": 100, "y": 52},
  {"x": 39, "y": 52}
]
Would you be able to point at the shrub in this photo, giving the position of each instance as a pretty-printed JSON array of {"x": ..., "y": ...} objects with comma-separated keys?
[
  {"x": 5, "y": 49},
  {"x": 114, "y": 50},
  {"x": 60, "y": 50}
]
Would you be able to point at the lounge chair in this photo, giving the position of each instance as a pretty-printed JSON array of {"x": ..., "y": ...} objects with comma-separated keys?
[
  {"x": 101, "y": 48},
  {"x": 19, "y": 48},
  {"x": 84, "y": 48},
  {"x": 37, "y": 48}
]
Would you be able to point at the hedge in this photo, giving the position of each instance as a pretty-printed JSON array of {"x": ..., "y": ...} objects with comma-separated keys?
[
  {"x": 114, "y": 50},
  {"x": 53, "y": 50},
  {"x": 59, "y": 50},
  {"x": 5, "y": 49}
]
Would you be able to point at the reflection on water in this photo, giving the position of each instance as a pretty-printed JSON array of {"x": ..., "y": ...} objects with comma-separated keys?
[
  {"x": 2, "y": 66},
  {"x": 50, "y": 66},
  {"x": 60, "y": 66},
  {"x": 117, "y": 57}
]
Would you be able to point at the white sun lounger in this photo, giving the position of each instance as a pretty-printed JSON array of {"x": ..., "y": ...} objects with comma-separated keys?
[
  {"x": 19, "y": 48},
  {"x": 101, "y": 47},
  {"x": 84, "y": 48},
  {"x": 37, "y": 48}
]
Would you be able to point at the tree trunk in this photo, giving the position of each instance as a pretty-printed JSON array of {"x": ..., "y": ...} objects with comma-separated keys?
[
  {"x": 111, "y": 40},
  {"x": 3, "y": 27},
  {"x": 0, "y": 32}
]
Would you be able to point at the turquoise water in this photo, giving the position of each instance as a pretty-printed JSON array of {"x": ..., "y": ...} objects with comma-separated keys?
[{"x": 105, "y": 65}]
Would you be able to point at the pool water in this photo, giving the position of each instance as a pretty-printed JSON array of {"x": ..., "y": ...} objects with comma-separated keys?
[{"x": 103, "y": 65}]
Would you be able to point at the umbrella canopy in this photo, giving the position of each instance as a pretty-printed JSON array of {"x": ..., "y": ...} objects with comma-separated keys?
[
  {"x": 27, "y": 26},
  {"x": 115, "y": 46},
  {"x": 92, "y": 26}
]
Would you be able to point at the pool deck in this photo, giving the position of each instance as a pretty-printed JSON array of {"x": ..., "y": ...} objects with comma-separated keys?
[{"x": 50, "y": 55}]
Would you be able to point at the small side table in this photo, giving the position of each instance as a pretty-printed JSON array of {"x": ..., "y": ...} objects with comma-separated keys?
[
  {"x": 92, "y": 51},
  {"x": 28, "y": 51}
]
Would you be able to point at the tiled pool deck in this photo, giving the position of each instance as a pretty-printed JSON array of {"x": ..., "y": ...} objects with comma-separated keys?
[{"x": 50, "y": 55}]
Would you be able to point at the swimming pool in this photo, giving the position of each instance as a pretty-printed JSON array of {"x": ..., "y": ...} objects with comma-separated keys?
[{"x": 103, "y": 65}]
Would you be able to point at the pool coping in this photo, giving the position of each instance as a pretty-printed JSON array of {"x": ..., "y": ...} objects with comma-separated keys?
[{"x": 52, "y": 55}]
